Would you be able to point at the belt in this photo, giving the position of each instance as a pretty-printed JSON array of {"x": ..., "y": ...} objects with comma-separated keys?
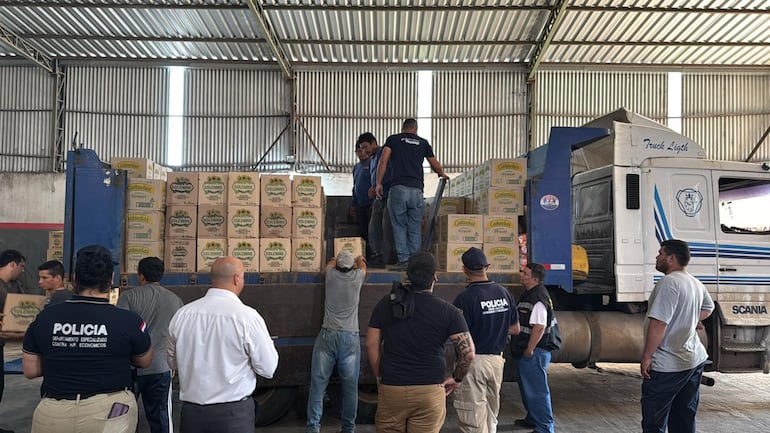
[
  {"x": 491, "y": 354},
  {"x": 81, "y": 396}
]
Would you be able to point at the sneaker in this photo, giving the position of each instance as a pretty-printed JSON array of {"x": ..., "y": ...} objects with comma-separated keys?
[
  {"x": 400, "y": 267},
  {"x": 523, "y": 423}
]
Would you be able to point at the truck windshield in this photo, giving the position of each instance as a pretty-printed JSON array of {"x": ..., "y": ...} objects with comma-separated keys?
[{"x": 739, "y": 204}]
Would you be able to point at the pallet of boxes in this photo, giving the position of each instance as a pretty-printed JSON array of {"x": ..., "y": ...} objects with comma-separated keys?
[{"x": 482, "y": 210}]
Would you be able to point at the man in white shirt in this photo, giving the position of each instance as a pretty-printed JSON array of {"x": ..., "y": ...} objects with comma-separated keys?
[{"x": 218, "y": 346}]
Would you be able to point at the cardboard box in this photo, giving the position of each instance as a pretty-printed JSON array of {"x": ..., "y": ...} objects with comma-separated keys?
[
  {"x": 460, "y": 228},
  {"x": 212, "y": 221},
  {"x": 243, "y": 189},
  {"x": 307, "y": 191},
  {"x": 247, "y": 251},
  {"x": 181, "y": 222},
  {"x": 20, "y": 310},
  {"x": 449, "y": 255},
  {"x": 307, "y": 255},
  {"x": 275, "y": 222},
  {"x": 182, "y": 188},
  {"x": 146, "y": 226},
  {"x": 180, "y": 255},
  {"x": 136, "y": 251},
  {"x": 242, "y": 221},
  {"x": 274, "y": 255},
  {"x": 55, "y": 254},
  {"x": 209, "y": 250},
  {"x": 136, "y": 168},
  {"x": 355, "y": 245},
  {"x": 501, "y": 173},
  {"x": 307, "y": 223},
  {"x": 275, "y": 190},
  {"x": 146, "y": 194},
  {"x": 448, "y": 205},
  {"x": 501, "y": 228},
  {"x": 212, "y": 189},
  {"x": 56, "y": 239},
  {"x": 503, "y": 258},
  {"x": 500, "y": 201},
  {"x": 160, "y": 172}
]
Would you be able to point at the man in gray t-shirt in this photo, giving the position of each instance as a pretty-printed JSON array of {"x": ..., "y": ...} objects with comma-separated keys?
[
  {"x": 338, "y": 342},
  {"x": 156, "y": 305},
  {"x": 673, "y": 357}
]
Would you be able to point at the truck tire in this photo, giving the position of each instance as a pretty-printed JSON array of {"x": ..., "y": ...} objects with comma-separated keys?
[
  {"x": 367, "y": 402},
  {"x": 273, "y": 403}
]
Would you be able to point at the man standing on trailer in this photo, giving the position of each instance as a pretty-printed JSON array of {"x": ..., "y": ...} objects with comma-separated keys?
[
  {"x": 673, "y": 357},
  {"x": 380, "y": 228}
]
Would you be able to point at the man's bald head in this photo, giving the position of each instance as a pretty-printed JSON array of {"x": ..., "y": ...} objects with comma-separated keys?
[{"x": 227, "y": 273}]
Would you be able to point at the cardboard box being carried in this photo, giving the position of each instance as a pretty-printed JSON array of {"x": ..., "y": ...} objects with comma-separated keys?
[
  {"x": 356, "y": 246},
  {"x": 308, "y": 223},
  {"x": 180, "y": 255},
  {"x": 247, "y": 251},
  {"x": 212, "y": 189},
  {"x": 182, "y": 188},
  {"x": 146, "y": 194},
  {"x": 181, "y": 222},
  {"x": 307, "y": 255},
  {"x": 502, "y": 258},
  {"x": 449, "y": 255},
  {"x": 136, "y": 168},
  {"x": 306, "y": 191},
  {"x": 56, "y": 239},
  {"x": 146, "y": 226},
  {"x": 208, "y": 251},
  {"x": 136, "y": 251},
  {"x": 460, "y": 228},
  {"x": 212, "y": 221},
  {"x": 501, "y": 228},
  {"x": 20, "y": 310},
  {"x": 274, "y": 255},
  {"x": 275, "y": 222},
  {"x": 243, "y": 189},
  {"x": 242, "y": 221},
  {"x": 275, "y": 190}
]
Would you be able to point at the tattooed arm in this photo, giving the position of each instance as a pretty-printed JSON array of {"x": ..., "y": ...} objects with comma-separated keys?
[{"x": 465, "y": 351}]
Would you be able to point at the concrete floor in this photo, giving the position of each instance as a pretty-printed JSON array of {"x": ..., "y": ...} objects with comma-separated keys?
[{"x": 585, "y": 401}]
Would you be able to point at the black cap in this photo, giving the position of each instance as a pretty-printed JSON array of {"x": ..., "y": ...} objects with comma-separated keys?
[{"x": 474, "y": 259}]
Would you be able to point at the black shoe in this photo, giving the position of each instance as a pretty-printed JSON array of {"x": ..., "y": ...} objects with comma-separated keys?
[
  {"x": 375, "y": 262},
  {"x": 400, "y": 267},
  {"x": 523, "y": 423},
  {"x": 5, "y": 431}
]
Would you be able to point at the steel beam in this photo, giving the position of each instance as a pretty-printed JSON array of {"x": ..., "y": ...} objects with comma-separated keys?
[
  {"x": 257, "y": 8},
  {"x": 26, "y": 50},
  {"x": 546, "y": 35}
]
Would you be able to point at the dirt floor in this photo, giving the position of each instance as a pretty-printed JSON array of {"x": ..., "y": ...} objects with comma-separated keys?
[{"x": 603, "y": 400}]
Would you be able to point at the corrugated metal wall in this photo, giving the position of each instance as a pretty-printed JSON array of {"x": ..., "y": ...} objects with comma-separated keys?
[
  {"x": 26, "y": 119},
  {"x": 338, "y": 105},
  {"x": 572, "y": 98},
  {"x": 118, "y": 111},
  {"x": 727, "y": 114},
  {"x": 233, "y": 116},
  {"x": 478, "y": 115}
]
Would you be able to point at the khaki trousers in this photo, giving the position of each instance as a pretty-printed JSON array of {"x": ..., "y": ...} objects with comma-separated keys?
[
  {"x": 410, "y": 409},
  {"x": 477, "y": 401},
  {"x": 85, "y": 416}
]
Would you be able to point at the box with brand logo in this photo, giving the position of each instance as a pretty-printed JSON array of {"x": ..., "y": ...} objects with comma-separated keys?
[
  {"x": 212, "y": 221},
  {"x": 247, "y": 251},
  {"x": 146, "y": 194},
  {"x": 275, "y": 190},
  {"x": 307, "y": 255},
  {"x": 307, "y": 191},
  {"x": 500, "y": 201},
  {"x": 20, "y": 310},
  {"x": 275, "y": 255},
  {"x": 182, "y": 188},
  {"x": 136, "y": 251},
  {"x": 500, "y": 173},
  {"x": 181, "y": 222},
  {"x": 460, "y": 228},
  {"x": 308, "y": 223},
  {"x": 56, "y": 239},
  {"x": 145, "y": 225},
  {"x": 212, "y": 189},
  {"x": 243, "y": 189},
  {"x": 448, "y": 205},
  {"x": 180, "y": 255},
  {"x": 160, "y": 172},
  {"x": 136, "y": 168},
  {"x": 501, "y": 228},
  {"x": 354, "y": 245},
  {"x": 503, "y": 258},
  {"x": 449, "y": 255},
  {"x": 242, "y": 221},
  {"x": 56, "y": 253},
  {"x": 209, "y": 250},
  {"x": 275, "y": 222}
]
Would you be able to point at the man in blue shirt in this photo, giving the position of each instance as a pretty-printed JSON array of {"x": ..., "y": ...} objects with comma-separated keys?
[
  {"x": 380, "y": 229},
  {"x": 360, "y": 205}
]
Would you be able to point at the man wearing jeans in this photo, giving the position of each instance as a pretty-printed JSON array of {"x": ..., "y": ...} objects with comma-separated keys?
[
  {"x": 338, "y": 342},
  {"x": 380, "y": 230},
  {"x": 407, "y": 150}
]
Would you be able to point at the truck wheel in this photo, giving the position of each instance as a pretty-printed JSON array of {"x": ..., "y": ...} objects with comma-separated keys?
[
  {"x": 273, "y": 403},
  {"x": 367, "y": 402}
]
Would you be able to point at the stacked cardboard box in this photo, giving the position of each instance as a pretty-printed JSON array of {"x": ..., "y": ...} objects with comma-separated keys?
[
  {"x": 243, "y": 218},
  {"x": 55, "y": 249}
]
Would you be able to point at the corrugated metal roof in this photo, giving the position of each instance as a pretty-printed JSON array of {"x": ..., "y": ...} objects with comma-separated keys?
[{"x": 397, "y": 32}]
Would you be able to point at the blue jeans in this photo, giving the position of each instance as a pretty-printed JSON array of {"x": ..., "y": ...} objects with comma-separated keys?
[
  {"x": 535, "y": 394},
  {"x": 671, "y": 399},
  {"x": 405, "y": 206},
  {"x": 156, "y": 399},
  {"x": 343, "y": 349}
]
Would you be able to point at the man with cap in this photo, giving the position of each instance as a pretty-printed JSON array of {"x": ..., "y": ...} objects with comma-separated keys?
[
  {"x": 405, "y": 346},
  {"x": 491, "y": 315},
  {"x": 338, "y": 342}
]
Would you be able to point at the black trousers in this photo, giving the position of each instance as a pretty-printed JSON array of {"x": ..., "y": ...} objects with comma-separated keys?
[{"x": 234, "y": 417}]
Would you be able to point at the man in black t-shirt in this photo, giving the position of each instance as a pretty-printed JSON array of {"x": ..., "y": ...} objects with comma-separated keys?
[{"x": 405, "y": 346}]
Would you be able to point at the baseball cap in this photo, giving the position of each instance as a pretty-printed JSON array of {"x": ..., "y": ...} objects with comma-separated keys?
[
  {"x": 474, "y": 259},
  {"x": 345, "y": 259}
]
